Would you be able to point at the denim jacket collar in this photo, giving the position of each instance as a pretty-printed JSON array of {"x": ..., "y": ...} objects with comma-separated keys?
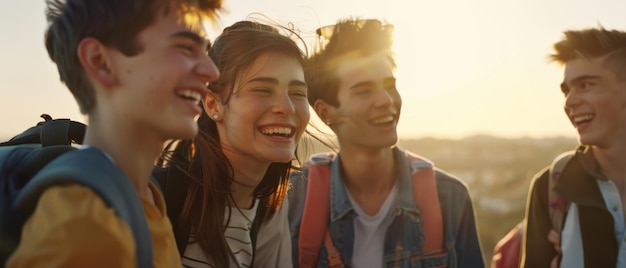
[{"x": 340, "y": 203}]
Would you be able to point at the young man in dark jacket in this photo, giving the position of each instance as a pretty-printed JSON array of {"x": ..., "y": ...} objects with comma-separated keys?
[{"x": 591, "y": 189}]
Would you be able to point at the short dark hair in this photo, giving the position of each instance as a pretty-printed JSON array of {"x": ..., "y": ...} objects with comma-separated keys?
[
  {"x": 593, "y": 43},
  {"x": 348, "y": 39},
  {"x": 115, "y": 23}
]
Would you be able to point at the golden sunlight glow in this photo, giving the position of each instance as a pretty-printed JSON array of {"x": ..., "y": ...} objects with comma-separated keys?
[{"x": 464, "y": 67}]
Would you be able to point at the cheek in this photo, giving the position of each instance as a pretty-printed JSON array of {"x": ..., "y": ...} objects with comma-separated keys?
[
  {"x": 623, "y": 100},
  {"x": 397, "y": 99},
  {"x": 242, "y": 115},
  {"x": 302, "y": 110}
]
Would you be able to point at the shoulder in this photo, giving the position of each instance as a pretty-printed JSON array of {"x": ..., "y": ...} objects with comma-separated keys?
[
  {"x": 448, "y": 182},
  {"x": 298, "y": 177},
  {"x": 72, "y": 203},
  {"x": 540, "y": 179},
  {"x": 70, "y": 222},
  {"x": 321, "y": 158}
]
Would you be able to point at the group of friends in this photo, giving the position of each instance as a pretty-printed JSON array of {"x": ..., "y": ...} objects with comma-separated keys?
[{"x": 218, "y": 124}]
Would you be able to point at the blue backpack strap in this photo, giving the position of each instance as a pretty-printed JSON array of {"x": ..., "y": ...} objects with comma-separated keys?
[
  {"x": 92, "y": 168},
  {"x": 62, "y": 131},
  {"x": 51, "y": 132}
]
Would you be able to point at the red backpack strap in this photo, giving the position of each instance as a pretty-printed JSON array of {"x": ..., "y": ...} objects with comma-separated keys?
[
  {"x": 334, "y": 258},
  {"x": 314, "y": 224},
  {"x": 506, "y": 252},
  {"x": 427, "y": 199}
]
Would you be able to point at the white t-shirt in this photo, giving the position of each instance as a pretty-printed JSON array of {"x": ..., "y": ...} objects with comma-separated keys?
[
  {"x": 273, "y": 246},
  {"x": 370, "y": 230}
]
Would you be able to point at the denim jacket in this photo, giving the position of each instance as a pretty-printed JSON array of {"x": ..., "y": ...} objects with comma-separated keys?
[{"x": 404, "y": 237}]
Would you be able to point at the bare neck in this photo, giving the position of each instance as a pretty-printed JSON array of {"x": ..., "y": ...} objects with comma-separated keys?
[
  {"x": 248, "y": 174},
  {"x": 368, "y": 171},
  {"x": 612, "y": 162},
  {"x": 134, "y": 151}
]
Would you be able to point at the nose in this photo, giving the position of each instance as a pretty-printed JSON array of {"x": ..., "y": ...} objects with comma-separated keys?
[
  {"x": 384, "y": 98},
  {"x": 572, "y": 100},
  {"x": 283, "y": 104},
  {"x": 207, "y": 69}
]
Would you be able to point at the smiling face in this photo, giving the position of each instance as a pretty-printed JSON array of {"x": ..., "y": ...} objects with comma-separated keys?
[
  {"x": 267, "y": 112},
  {"x": 369, "y": 104},
  {"x": 159, "y": 89},
  {"x": 595, "y": 102}
]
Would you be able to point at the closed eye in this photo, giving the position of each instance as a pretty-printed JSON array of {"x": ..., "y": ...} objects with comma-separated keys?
[
  {"x": 298, "y": 91},
  {"x": 586, "y": 85},
  {"x": 362, "y": 91},
  {"x": 262, "y": 90},
  {"x": 187, "y": 47}
]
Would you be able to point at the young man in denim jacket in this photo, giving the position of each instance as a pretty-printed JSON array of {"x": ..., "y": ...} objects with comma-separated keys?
[
  {"x": 373, "y": 218},
  {"x": 591, "y": 189}
]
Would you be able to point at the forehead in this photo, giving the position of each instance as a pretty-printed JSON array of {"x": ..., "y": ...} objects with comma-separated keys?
[
  {"x": 169, "y": 21},
  {"x": 581, "y": 67},
  {"x": 364, "y": 69},
  {"x": 272, "y": 64}
]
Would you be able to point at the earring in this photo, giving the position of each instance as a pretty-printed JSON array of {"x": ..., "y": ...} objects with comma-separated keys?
[
  {"x": 328, "y": 123},
  {"x": 216, "y": 116}
]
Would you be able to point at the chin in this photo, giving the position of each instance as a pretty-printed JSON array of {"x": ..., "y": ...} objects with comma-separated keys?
[
  {"x": 388, "y": 142},
  {"x": 281, "y": 157},
  {"x": 588, "y": 140}
]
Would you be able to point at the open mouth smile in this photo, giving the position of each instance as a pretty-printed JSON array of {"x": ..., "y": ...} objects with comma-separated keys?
[{"x": 278, "y": 132}]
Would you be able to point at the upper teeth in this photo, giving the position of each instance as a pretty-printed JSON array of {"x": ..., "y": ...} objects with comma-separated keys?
[
  {"x": 191, "y": 94},
  {"x": 277, "y": 130},
  {"x": 580, "y": 118},
  {"x": 384, "y": 119}
]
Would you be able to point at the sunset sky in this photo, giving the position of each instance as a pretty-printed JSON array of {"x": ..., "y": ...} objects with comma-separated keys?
[{"x": 464, "y": 67}]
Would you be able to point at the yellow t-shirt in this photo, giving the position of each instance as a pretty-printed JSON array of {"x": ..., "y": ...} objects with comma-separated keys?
[{"x": 73, "y": 227}]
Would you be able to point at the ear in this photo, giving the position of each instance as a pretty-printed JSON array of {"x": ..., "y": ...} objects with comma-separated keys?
[
  {"x": 325, "y": 111},
  {"x": 96, "y": 61},
  {"x": 212, "y": 105}
]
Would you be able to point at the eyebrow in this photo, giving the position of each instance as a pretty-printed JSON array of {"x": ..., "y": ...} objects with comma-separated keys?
[
  {"x": 578, "y": 79},
  {"x": 371, "y": 83},
  {"x": 196, "y": 38},
  {"x": 362, "y": 84},
  {"x": 274, "y": 81}
]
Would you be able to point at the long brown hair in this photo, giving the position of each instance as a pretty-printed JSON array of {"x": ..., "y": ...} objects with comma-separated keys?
[{"x": 210, "y": 174}]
